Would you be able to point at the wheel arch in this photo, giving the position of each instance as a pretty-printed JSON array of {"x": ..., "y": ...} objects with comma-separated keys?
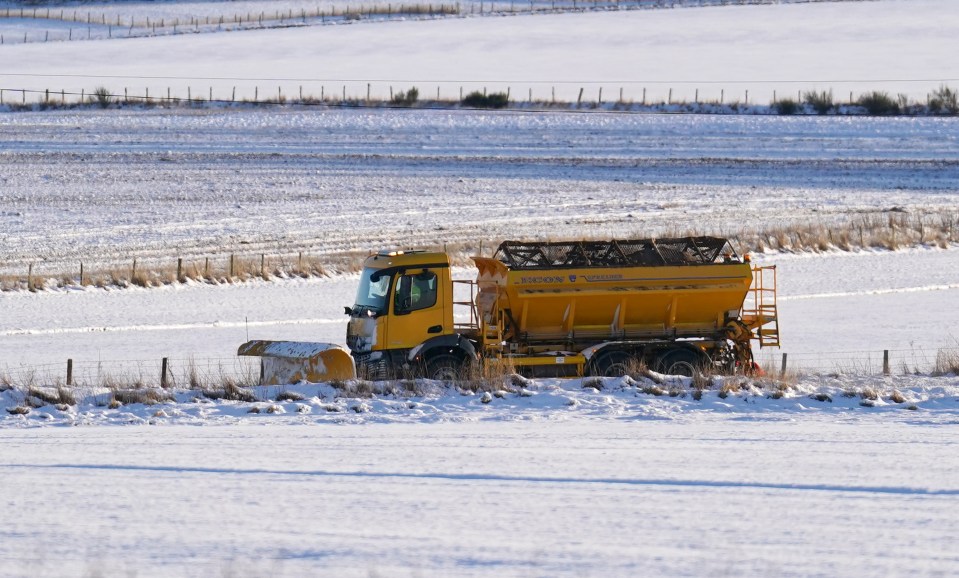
[{"x": 455, "y": 344}]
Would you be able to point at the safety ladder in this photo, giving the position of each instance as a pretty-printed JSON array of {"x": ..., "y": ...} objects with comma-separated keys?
[{"x": 760, "y": 312}]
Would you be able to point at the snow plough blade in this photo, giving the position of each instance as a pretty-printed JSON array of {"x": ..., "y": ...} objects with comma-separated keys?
[{"x": 283, "y": 362}]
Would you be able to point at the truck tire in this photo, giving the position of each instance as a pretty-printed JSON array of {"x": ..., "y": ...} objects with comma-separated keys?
[
  {"x": 612, "y": 364},
  {"x": 445, "y": 368},
  {"x": 680, "y": 362}
]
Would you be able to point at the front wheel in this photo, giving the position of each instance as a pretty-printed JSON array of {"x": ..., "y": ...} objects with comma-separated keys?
[{"x": 445, "y": 368}]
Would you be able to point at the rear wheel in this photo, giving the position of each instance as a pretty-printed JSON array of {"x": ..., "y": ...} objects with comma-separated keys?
[
  {"x": 612, "y": 364},
  {"x": 444, "y": 368},
  {"x": 680, "y": 362}
]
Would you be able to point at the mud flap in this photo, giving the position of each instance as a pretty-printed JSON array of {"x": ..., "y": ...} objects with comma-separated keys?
[{"x": 284, "y": 362}]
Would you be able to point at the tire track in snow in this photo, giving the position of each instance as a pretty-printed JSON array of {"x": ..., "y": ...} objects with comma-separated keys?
[{"x": 467, "y": 477}]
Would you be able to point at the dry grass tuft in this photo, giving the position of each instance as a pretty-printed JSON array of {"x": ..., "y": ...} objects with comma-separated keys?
[
  {"x": 52, "y": 396},
  {"x": 360, "y": 388},
  {"x": 653, "y": 390},
  {"x": 896, "y": 397},
  {"x": 229, "y": 390},
  {"x": 18, "y": 410},
  {"x": 146, "y": 396},
  {"x": 593, "y": 383},
  {"x": 287, "y": 395},
  {"x": 947, "y": 362},
  {"x": 728, "y": 388}
]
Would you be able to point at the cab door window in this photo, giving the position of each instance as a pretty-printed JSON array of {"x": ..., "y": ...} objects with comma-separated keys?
[{"x": 415, "y": 292}]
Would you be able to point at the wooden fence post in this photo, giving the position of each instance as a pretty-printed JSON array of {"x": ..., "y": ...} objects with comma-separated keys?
[
  {"x": 164, "y": 381},
  {"x": 81, "y": 273},
  {"x": 69, "y": 372},
  {"x": 782, "y": 370},
  {"x": 232, "y": 264},
  {"x": 30, "y": 277},
  {"x": 179, "y": 269},
  {"x": 885, "y": 362}
]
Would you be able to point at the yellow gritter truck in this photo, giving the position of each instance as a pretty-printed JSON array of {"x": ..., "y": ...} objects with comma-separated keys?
[{"x": 556, "y": 309}]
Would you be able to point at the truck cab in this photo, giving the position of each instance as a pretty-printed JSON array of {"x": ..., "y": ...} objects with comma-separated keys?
[{"x": 401, "y": 322}]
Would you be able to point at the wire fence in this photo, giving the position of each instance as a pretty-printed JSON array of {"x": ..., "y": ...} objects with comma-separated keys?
[
  {"x": 862, "y": 362},
  {"x": 922, "y": 97},
  {"x": 200, "y": 373},
  {"x": 179, "y": 373},
  {"x": 94, "y": 23}
]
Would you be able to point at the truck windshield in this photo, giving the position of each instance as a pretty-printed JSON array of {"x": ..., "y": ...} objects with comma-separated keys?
[{"x": 374, "y": 290}]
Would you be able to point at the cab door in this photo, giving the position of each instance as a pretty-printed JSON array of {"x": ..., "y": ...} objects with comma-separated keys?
[{"x": 418, "y": 308}]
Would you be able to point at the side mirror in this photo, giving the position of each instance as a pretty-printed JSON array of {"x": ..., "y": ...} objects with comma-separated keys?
[{"x": 348, "y": 310}]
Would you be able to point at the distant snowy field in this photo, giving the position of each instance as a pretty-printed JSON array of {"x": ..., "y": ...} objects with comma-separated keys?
[{"x": 899, "y": 46}]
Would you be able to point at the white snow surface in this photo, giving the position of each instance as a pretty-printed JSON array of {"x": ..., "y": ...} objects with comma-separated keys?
[
  {"x": 897, "y": 46},
  {"x": 801, "y": 492}
]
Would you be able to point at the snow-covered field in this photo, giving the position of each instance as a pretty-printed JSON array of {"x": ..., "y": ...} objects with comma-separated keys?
[
  {"x": 898, "y": 46},
  {"x": 837, "y": 471},
  {"x": 188, "y": 184}
]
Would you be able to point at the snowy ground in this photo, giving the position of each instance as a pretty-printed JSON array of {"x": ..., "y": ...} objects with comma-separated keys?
[{"x": 804, "y": 493}]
